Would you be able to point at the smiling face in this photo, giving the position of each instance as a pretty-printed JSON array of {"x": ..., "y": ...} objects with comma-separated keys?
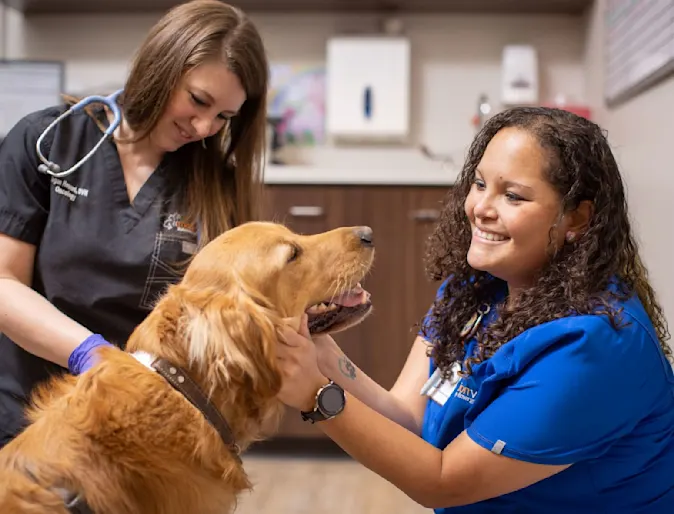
[
  {"x": 512, "y": 209},
  {"x": 204, "y": 100},
  {"x": 318, "y": 274}
]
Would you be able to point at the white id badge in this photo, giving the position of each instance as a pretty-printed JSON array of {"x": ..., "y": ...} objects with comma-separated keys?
[{"x": 440, "y": 390}]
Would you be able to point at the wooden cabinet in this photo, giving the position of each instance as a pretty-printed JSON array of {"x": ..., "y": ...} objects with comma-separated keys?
[{"x": 401, "y": 218}]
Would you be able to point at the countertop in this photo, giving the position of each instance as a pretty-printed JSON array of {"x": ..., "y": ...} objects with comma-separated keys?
[
  {"x": 306, "y": 174},
  {"x": 364, "y": 167}
]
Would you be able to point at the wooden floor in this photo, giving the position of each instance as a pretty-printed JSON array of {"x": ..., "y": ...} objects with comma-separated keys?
[{"x": 320, "y": 485}]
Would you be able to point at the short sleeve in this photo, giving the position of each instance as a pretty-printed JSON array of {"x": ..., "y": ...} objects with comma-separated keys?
[
  {"x": 590, "y": 386},
  {"x": 24, "y": 191}
]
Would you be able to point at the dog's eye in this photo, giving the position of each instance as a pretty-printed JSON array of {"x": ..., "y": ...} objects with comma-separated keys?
[{"x": 294, "y": 253}]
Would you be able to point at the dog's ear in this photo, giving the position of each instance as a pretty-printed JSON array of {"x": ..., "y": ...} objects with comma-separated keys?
[{"x": 232, "y": 333}]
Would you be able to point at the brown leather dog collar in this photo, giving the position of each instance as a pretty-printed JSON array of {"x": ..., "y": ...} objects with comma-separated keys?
[{"x": 184, "y": 384}]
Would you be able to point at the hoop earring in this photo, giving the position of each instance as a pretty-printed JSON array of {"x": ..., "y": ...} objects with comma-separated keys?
[{"x": 203, "y": 144}]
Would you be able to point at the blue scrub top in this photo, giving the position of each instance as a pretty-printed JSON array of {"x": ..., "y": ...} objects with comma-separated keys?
[{"x": 572, "y": 391}]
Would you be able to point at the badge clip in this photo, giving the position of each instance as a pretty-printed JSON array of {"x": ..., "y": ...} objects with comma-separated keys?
[{"x": 440, "y": 390}]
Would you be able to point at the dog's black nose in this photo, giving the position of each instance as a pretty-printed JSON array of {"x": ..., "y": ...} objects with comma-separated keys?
[{"x": 365, "y": 235}]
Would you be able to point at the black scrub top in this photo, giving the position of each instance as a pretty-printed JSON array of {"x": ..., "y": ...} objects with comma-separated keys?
[{"x": 100, "y": 259}]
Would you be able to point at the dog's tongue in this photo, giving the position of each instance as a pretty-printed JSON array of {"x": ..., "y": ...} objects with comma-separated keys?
[{"x": 352, "y": 298}]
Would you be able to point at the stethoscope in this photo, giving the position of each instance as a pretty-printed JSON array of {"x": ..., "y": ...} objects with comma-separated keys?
[{"x": 54, "y": 169}]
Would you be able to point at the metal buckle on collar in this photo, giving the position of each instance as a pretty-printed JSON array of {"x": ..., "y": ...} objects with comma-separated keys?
[{"x": 75, "y": 504}]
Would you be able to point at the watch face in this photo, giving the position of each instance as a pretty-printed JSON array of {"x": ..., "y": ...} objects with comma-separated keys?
[{"x": 331, "y": 401}]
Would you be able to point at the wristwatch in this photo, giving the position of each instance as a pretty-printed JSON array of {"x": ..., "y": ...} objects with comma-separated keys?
[{"x": 330, "y": 401}]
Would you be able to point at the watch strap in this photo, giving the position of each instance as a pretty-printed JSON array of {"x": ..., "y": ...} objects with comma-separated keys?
[{"x": 313, "y": 415}]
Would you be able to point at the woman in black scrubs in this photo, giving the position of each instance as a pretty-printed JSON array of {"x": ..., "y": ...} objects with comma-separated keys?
[{"x": 83, "y": 258}]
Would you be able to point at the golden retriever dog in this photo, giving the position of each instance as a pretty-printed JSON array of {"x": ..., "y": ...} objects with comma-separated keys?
[{"x": 121, "y": 438}]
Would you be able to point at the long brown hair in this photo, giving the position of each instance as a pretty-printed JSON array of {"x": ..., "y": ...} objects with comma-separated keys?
[
  {"x": 224, "y": 184},
  {"x": 576, "y": 279}
]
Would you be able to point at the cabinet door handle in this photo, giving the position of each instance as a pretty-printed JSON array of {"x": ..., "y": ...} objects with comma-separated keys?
[
  {"x": 425, "y": 215},
  {"x": 306, "y": 211}
]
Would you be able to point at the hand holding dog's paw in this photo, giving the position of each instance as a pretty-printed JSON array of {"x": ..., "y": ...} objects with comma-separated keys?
[{"x": 297, "y": 361}]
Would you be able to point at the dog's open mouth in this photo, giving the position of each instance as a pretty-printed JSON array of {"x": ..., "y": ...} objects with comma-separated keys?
[{"x": 340, "y": 312}]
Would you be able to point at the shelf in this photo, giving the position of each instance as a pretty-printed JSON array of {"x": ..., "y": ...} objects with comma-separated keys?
[{"x": 570, "y": 7}]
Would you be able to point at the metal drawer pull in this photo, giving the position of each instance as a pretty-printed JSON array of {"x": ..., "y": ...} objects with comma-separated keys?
[
  {"x": 306, "y": 211},
  {"x": 425, "y": 215}
]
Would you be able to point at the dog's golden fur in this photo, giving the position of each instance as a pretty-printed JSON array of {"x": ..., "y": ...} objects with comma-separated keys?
[{"x": 122, "y": 436}]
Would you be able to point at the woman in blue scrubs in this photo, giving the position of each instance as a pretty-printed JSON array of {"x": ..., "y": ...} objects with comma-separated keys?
[
  {"x": 83, "y": 258},
  {"x": 540, "y": 380}
]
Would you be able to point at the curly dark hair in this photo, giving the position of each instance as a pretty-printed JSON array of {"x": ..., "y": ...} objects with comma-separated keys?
[{"x": 576, "y": 277}]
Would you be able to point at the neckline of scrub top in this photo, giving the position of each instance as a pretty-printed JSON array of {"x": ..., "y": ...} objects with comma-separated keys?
[
  {"x": 148, "y": 190},
  {"x": 132, "y": 212}
]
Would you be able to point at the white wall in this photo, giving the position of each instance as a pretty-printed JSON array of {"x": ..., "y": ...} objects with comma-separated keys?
[
  {"x": 455, "y": 58},
  {"x": 642, "y": 133},
  {"x": 11, "y": 33}
]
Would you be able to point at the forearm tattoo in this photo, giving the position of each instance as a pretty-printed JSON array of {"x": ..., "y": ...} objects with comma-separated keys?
[{"x": 347, "y": 368}]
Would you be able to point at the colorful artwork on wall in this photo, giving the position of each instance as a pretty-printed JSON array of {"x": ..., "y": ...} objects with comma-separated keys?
[{"x": 297, "y": 99}]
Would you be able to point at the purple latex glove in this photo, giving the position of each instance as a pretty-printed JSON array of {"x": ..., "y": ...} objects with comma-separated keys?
[{"x": 84, "y": 356}]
